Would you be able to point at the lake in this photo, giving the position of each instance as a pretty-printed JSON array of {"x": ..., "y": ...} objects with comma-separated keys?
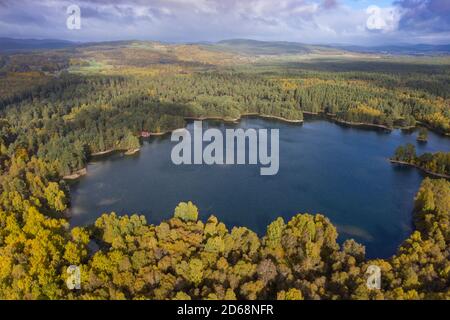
[{"x": 340, "y": 172}]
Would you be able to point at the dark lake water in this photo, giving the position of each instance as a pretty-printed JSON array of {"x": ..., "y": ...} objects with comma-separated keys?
[{"x": 325, "y": 168}]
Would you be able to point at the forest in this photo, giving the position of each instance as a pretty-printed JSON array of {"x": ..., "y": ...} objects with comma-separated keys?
[
  {"x": 59, "y": 107},
  {"x": 184, "y": 258},
  {"x": 64, "y": 105}
]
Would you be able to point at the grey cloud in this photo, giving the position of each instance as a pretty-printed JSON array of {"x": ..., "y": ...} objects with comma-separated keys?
[
  {"x": 429, "y": 15},
  {"x": 23, "y": 17},
  {"x": 329, "y": 4}
]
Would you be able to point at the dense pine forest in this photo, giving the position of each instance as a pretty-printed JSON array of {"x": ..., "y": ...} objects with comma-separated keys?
[
  {"x": 64, "y": 105},
  {"x": 59, "y": 107}
]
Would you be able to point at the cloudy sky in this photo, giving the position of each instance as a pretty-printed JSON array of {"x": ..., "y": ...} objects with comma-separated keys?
[{"x": 364, "y": 22}]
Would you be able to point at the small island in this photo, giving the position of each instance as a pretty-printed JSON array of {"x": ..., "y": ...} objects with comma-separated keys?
[{"x": 423, "y": 135}]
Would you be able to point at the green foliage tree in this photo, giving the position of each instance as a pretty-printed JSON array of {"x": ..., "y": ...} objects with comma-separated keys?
[{"x": 186, "y": 211}]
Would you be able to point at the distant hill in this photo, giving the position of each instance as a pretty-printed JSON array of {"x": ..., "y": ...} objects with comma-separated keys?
[
  {"x": 254, "y": 47},
  {"x": 415, "y": 49},
  {"x": 234, "y": 46},
  {"x": 9, "y": 44}
]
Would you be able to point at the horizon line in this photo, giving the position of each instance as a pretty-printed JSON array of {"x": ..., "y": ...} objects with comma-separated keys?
[{"x": 404, "y": 44}]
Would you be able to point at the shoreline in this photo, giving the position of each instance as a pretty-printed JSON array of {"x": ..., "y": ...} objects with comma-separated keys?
[
  {"x": 277, "y": 118},
  {"x": 404, "y": 163},
  {"x": 75, "y": 175},
  {"x": 83, "y": 171},
  {"x": 332, "y": 117},
  {"x": 236, "y": 120},
  {"x": 363, "y": 124},
  {"x": 157, "y": 134},
  {"x": 132, "y": 151},
  {"x": 310, "y": 113},
  {"x": 101, "y": 153},
  {"x": 109, "y": 151},
  {"x": 426, "y": 125}
]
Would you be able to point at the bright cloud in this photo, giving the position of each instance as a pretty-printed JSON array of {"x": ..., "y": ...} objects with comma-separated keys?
[{"x": 383, "y": 19}]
